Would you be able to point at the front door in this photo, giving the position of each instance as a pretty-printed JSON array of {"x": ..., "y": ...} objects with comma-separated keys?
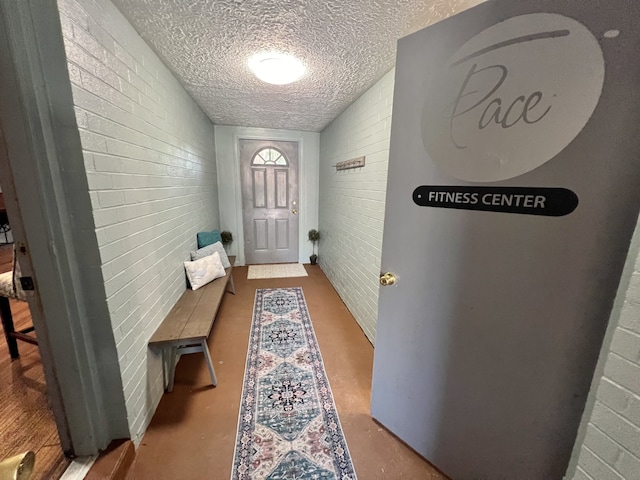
[
  {"x": 512, "y": 196},
  {"x": 270, "y": 200}
]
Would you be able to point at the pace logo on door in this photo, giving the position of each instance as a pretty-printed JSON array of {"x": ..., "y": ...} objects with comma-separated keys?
[{"x": 512, "y": 97}]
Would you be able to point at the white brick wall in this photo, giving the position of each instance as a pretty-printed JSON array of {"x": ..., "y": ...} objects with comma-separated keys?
[
  {"x": 608, "y": 445},
  {"x": 150, "y": 161},
  {"x": 352, "y": 202}
]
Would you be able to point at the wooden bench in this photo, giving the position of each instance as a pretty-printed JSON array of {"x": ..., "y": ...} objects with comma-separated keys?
[{"x": 188, "y": 324}]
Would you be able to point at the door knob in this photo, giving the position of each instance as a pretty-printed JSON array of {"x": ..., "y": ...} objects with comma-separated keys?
[
  {"x": 19, "y": 467},
  {"x": 294, "y": 211},
  {"x": 387, "y": 279}
]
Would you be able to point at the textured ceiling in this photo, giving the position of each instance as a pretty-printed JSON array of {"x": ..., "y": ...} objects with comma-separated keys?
[{"x": 346, "y": 45}]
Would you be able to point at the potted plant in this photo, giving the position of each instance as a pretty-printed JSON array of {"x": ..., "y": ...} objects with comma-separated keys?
[
  {"x": 227, "y": 238},
  {"x": 314, "y": 236}
]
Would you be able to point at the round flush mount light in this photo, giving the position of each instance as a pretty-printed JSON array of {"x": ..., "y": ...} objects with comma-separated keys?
[{"x": 276, "y": 68}]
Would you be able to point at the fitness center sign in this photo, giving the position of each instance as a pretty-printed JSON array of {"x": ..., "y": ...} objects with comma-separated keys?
[
  {"x": 551, "y": 202},
  {"x": 508, "y": 101},
  {"x": 512, "y": 97}
]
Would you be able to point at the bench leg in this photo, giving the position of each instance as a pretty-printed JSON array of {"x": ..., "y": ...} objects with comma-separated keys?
[
  {"x": 165, "y": 368},
  {"x": 7, "y": 325},
  {"x": 233, "y": 287},
  {"x": 171, "y": 355},
  {"x": 168, "y": 367},
  {"x": 207, "y": 356}
]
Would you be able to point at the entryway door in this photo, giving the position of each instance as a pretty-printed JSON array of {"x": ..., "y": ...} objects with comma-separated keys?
[
  {"x": 269, "y": 200},
  {"x": 488, "y": 334}
]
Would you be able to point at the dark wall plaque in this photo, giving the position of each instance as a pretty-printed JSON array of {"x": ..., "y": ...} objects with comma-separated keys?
[{"x": 550, "y": 202}]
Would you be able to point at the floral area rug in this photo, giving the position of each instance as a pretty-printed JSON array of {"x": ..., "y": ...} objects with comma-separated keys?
[{"x": 288, "y": 426}]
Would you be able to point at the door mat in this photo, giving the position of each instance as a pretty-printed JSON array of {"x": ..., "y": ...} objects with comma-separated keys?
[
  {"x": 288, "y": 426},
  {"x": 280, "y": 270}
]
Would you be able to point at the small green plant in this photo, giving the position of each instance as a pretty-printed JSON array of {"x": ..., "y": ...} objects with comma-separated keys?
[
  {"x": 227, "y": 237},
  {"x": 314, "y": 236}
]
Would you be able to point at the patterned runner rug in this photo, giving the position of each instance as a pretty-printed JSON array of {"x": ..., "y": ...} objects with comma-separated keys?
[
  {"x": 276, "y": 270},
  {"x": 288, "y": 427}
]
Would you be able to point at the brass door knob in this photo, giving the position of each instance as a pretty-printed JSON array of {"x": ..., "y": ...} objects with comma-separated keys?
[
  {"x": 294, "y": 211},
  {"x": 19, "y": 467},
  {"x": 387, "y": 279}
]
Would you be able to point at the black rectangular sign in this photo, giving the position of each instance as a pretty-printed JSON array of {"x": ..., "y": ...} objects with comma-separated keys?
[{"x": 550, "y": 202}]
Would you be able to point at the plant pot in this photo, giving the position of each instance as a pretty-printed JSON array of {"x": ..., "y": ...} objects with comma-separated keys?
[{"x": 313, "y": 259}]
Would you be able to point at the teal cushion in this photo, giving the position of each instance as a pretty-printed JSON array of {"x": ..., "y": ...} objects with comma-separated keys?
[{"x": 208, "y": 238}]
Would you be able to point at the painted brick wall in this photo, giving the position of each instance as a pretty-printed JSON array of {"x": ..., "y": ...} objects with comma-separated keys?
[
  {"x": 608, "y": 446},
  {"x": 352, "y": 202},
  {"x": 150, "y": 160}
]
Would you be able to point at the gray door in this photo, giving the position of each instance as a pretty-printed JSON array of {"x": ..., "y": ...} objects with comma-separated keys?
[
  {"x": 487, "y": 341},
  {"x": 269, "y": 200}
]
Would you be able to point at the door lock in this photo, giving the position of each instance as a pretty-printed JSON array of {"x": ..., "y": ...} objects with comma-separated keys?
[{"x": 387, "y": 279}]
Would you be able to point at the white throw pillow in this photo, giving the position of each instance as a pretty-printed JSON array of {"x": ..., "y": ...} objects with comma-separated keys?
[
  {"x": 204, "y": 270},
  {"x": 209, "y": 250}
]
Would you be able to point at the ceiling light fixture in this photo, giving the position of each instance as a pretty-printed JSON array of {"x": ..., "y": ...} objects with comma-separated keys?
[{"x": 276, "y": 68}]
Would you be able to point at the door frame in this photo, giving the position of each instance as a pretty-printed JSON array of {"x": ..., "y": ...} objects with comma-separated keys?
[
  {"x": 272, "y": 143},
  {"x": 38, "y": 124},
  {"x": 303, "y": 212}
]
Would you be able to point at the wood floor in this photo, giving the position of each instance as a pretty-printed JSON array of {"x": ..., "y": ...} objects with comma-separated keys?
[
  {"x": 193, "y": 431},
  {"x": 26, "y": 422}
]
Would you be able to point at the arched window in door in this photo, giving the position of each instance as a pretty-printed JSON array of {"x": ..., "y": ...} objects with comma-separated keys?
[{"x": 269, "y": 156}]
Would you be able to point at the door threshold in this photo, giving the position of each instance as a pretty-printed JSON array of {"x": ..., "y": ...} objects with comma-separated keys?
[{"x": 78, "y": 468}]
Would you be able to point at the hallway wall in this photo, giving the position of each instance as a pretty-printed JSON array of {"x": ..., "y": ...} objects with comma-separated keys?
[
  {"x": 352, "y": 202},
  {"x": 608, "y": 445},
  {"x": 150, "y": 162}
]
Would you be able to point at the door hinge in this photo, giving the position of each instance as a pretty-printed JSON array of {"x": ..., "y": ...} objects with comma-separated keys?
[{"x": 27, "y": 283}]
